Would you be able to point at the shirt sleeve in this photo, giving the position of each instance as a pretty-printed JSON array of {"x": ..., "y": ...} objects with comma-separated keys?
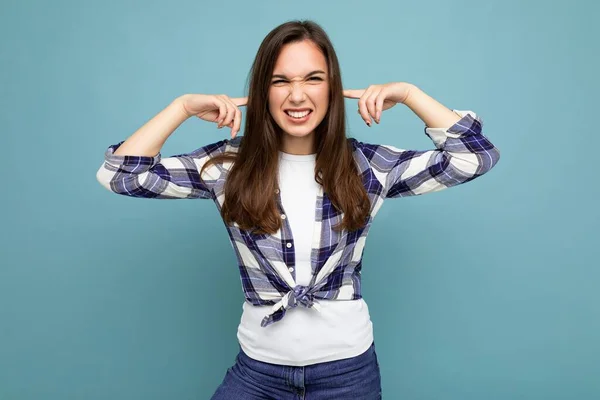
[
  {"x": 175, "y": 177},
  {"x": 462, "y": 154}
]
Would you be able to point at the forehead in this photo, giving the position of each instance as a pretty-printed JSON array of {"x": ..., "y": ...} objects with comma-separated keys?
[{"x": 298, "y": 59}]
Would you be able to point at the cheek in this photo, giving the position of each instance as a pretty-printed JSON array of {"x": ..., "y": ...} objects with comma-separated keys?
[
  {"x": 275, "y": 100},
  {"x": 322, "y": 99}
]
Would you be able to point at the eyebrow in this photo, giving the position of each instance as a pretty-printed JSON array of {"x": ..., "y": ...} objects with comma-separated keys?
[{"x": 307, "y": 75}]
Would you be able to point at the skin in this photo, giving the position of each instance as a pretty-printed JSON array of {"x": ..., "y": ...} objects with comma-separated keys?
[
  {"x": 297, "y": 90},
  {"x": 294, "y": 87}
]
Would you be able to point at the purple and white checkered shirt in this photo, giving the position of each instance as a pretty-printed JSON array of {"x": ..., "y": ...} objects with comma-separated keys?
[{"x": 462, "y": 154}]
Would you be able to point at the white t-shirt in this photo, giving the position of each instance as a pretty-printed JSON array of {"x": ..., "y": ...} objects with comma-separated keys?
[{"x": 342, "y": 329}]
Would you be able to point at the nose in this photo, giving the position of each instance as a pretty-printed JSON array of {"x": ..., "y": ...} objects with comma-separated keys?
[{"x": 296, "y": 92}]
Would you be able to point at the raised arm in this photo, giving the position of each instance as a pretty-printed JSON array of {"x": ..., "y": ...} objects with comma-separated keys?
[
  {"x": 135, "y": 168},
  {"x": 462, "y": 152}
]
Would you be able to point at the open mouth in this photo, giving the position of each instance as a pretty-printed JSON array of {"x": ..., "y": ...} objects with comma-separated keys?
[{"x": 298, "y": 116}]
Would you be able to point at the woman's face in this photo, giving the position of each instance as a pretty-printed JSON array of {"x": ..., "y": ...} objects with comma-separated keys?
[{"x": 299, "y": 90}]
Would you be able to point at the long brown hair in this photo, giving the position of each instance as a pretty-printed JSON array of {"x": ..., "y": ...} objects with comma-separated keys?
[{"x": 251, "y": 182}]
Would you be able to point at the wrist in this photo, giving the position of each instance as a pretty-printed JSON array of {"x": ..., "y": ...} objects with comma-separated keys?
[
  {"x": 179, "y": 103},
  {"x": 409, "y": 92}
]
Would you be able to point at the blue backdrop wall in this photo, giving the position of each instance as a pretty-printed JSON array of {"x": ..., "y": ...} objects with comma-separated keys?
[{"x": 484, "y": 291}]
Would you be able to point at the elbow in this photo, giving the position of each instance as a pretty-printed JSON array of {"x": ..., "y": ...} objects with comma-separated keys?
[
  {"x": 494, "y": 157},
  {"x": 476, "y": 163},
  {"x": 104, "y": 177}
]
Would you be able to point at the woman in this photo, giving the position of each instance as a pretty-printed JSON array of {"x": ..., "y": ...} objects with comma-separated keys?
[{"x": 297, "y": 198}]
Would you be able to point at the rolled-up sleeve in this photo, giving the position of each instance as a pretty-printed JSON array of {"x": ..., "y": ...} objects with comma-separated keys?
[
  {"x": 462, "y": 154},
  {"x": 175, "y": 177}
]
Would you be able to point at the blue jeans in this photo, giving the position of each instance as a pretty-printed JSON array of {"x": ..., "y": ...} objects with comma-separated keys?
[{"x": 356, "y": 378}]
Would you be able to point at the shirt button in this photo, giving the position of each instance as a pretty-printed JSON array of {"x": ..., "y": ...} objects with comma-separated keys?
[
  {"x": 276, "y": 190},
  {"x": 283, "y": 216},
  {"x": 288, "y": 245},
  {"x": 291, "y": 269}
]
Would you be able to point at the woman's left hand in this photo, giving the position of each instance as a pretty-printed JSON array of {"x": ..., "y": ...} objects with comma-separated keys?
[{"x": 377, "y": 98}]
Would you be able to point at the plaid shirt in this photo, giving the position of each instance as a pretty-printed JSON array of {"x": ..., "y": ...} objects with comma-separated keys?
[{"x": 462, "y": 153}]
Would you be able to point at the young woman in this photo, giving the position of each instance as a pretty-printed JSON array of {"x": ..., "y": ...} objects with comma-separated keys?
[{"x": 298, "y": 198}]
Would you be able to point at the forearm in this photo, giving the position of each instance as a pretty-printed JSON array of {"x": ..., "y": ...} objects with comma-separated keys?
[
  {"x": 149, "y": 139},
  {"x": 431, "y": 112}
]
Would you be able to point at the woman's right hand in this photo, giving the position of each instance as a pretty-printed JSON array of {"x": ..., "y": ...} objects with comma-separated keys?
[{"x": 219, "y": 108}]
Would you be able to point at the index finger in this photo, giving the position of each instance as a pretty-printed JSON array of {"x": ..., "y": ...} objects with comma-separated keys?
[
  {"x": 353, "y": 93},
  {"x": 239, "y": 101}
]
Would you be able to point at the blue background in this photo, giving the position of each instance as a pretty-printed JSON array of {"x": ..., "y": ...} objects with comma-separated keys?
[{"x": 485, "y": 291}]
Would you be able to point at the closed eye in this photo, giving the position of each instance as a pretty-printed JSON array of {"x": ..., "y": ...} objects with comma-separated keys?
[{"x": 315, "y": 78}]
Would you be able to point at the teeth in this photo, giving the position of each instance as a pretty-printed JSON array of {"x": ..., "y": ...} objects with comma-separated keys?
[{"x": 295, "y": 114}]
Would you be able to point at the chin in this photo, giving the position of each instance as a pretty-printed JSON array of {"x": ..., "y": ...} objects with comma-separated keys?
[{"x": 298, "y": 130}]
